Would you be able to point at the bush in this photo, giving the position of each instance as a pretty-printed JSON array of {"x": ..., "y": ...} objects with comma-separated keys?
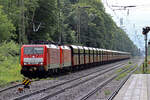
[{"x": 9, "y": 63}]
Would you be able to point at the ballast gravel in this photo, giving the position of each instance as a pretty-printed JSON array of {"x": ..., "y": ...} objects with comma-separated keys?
[{"x": 69, "y": 94}]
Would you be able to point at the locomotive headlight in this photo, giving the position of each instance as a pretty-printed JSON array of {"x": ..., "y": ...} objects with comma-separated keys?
[
  {"x": 41, "y": 63},
  {"x": 25, "y": 63},
  {"x": 35, "y": 68}
]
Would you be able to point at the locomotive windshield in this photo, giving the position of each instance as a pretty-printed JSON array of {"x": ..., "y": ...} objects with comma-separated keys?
[{"x": 33, "y": 50}]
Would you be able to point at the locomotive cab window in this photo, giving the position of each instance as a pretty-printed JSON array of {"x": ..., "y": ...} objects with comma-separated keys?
[{"x": 33, "y": 50}]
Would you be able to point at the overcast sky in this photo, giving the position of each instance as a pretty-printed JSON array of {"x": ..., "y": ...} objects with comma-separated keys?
[{"x": 134, "y": 19}]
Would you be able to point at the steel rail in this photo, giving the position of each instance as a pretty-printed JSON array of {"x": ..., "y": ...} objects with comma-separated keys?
[
  {"x": 8, "y": 88},
  {"x": 69, "y": 81},
  {"x": 14, "y": 86},
  {"x": 122, "y": 83},
  {"x": 19, "y": 84},
  {"x": 104, "y": 83}
]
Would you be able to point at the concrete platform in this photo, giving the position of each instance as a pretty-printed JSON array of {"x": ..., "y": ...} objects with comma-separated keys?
[{"x": 137, "y": 87}]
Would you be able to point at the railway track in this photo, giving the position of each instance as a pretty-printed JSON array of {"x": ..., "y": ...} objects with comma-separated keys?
[
  {"x": 121, "y": 84},
  {"x": 52, "y": 88},
  {"x": 14, "y": 86},
  {"x": 104, "y": 83},
  {"x": 20, "y": 84},
  {"x": 11, "y": 87}
]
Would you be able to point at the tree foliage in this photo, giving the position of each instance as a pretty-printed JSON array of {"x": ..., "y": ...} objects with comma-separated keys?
[
  {"x": 6, "y": 27},
  {"x": 61, "y": 22}
]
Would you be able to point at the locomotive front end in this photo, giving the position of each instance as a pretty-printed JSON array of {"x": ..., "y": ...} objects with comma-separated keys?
[{"x": 33, "y": 59}]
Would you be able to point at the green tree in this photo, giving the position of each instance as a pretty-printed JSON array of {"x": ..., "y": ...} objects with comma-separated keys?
[
  {"x": 48, "y": 20},
  {"x": 6, "y": 27}
]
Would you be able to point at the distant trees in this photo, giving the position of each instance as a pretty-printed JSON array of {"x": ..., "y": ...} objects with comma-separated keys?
[
  {"x": 6, "y": 27},
  {"x": 48, "y": 20},
  {"x": 43, "y": 23},
  {"x": 74, "y": 1}
]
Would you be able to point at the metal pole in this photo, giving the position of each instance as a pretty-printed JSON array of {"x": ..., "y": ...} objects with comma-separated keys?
[
  {"x": 23, "y": 22},
  {"x": 143, "y": 68},
  {"x": 88, "y": 38},
  {"x": 60, "y": 34},
  {"x": 20, "y": 33},
  {"x": 19, "y": 27},
  {"x": 146, "y": 50},
  {"x": 78, "y": 25}
]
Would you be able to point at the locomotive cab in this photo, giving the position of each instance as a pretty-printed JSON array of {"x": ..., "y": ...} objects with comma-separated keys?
[{"x": 33, "y": 58}]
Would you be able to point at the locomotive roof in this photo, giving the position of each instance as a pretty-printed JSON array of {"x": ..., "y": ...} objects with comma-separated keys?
[
  {"x": 37, "y": 45},
  {"x": 52, "y": 46},
  {"x": 33, "y": 45},
  {"x": 74, "y": 47}
]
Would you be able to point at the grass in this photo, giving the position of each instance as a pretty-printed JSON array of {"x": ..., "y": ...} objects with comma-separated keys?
[
  {"x": 130, "y": 62},
  {"x": 142, "y": 69},
  {"x": 107, "y": 92},
  {"x": 121, "y": 76},
  {"x": 9, "y": 64},
  {"x": 131, "y": 69},
  {"x": 10, "y": 71},
  {"x": 148, "y": 69},
  {"x": 125, "y": 73},
  {"x": 126, "y": 67}
]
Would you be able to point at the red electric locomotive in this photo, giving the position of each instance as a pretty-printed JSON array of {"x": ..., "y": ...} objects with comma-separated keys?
[
  {"x": 33, "y": 58},
  {"x": 37, "y": 60}
]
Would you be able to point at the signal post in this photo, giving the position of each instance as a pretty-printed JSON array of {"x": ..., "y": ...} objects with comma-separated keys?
[{"x": 145, "y": 32}]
